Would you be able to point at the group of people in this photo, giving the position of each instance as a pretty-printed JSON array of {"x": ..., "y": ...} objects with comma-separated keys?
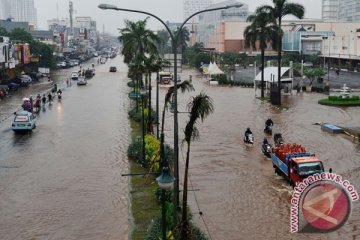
[
  {"x": 29, "y": 104},
  {"x": 268, "y": 123}
]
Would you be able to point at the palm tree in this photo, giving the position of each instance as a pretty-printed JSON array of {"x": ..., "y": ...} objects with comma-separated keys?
[
  {"x": 200, "y": 107},
  {"x": 136, "y": 38},
  {"x": 154, "y": 64},
  {"x": 184, "y": 37},
  {"x": 281, "y": 9},
  {"x": 262, "y": 28}
]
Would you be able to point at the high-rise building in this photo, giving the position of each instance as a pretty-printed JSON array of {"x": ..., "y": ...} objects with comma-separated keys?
[
  {"x": 330, "y": 9},
  {"x": 349, "y": 10},
  {"x": 5, "y": 9},
  {"x": 193, "y": 6},
  {"x": 22, "y": 11}
]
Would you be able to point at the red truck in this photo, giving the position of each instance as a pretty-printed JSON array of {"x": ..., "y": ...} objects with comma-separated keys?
[{"x": 295, "y": 163}]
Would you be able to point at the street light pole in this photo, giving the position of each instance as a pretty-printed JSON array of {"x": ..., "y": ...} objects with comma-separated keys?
[{"x": 174, "y": 42}]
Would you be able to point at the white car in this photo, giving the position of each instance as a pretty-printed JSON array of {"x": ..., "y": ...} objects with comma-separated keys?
[
  {"x": 26, "y": 79},
  {"x": 24, "y": 121},
  {"x": 74, "y": 75},
  {"x": 81, "y": 81},
  {"x": 61, "y": 64}
]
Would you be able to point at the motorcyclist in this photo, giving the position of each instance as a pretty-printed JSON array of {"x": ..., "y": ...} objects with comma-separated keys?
[
  {"x": 265, "y": 141},
  {"x": 59, "y": 92},
  {"x": 247, "y": 132},
  {"x": 269, "y": 122}
]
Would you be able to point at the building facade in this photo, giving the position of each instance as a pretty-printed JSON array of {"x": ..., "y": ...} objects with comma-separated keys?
[
  {"x": 330, "y": 9},
  {"x": 212, "y": 29},
  {"x": 192, "y": 6},
  {"x": 349, "y": 10},
  {"x": 23, "y": 11}
]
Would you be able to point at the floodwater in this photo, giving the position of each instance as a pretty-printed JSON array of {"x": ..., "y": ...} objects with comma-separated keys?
[
  {"x": 235, "y": 186},
  {"x": 63, "y": 181}
]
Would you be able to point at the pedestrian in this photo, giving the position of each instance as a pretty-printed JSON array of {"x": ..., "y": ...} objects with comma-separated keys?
[
  {"x": 67, "y": 82},
  {"x": 31, "y": 103},
  {"x": 50, "y": 97},
  {"x": 43, "y": 99}
]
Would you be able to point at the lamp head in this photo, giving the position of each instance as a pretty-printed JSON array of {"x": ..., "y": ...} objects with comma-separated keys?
[
  {"x": 105, "y": 6},
  {"x": 234, "y": 6},
  {"x": 165, "y": 180}
]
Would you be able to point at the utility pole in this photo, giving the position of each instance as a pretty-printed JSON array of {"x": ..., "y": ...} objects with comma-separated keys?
[{"x": 71, "y": 12}]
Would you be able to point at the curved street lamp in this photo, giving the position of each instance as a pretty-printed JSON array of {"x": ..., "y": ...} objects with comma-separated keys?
[{"x": 174, "y": 42}]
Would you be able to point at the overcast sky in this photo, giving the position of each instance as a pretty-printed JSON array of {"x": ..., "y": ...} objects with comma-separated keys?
[{"x": 167, "y": 10}]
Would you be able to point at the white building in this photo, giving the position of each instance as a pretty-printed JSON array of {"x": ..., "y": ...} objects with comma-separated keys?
[
  {"x": 211, "y": 27},
  {"x": 349, "y": 10},
  {"x": 330, "y": 9},
  {"x": 23, "y": 11},
  {"x": 4, "y": 9},
  {"x": 193, "y": 6}
]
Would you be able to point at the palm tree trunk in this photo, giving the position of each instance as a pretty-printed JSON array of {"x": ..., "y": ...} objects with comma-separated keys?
[
  {"x": 279, "y": 62},
  {"x": 184, "y": 220}
]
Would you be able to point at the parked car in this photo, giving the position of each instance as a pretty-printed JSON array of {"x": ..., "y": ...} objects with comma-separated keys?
[
  {"x": 61, "y": 64},
  {"x": 13, "y": 86},
  {"x": 113, "y": 69},
  {"x": 26, "y": 79},
  {"x": 23, "y": 121}
]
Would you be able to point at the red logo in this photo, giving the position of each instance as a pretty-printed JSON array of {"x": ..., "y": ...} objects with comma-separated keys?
[{"x": 325, "y": 206}]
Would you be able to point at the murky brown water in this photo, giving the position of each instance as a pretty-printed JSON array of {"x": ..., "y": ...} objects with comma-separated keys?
[
  {"x": 63, "y": 180},
  {"x": 240, "y": 195}
]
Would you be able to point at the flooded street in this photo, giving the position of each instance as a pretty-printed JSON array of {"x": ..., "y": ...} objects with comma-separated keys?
[
  {"x": 239, "y": 194},
  {"x": 63, "y": 181}
]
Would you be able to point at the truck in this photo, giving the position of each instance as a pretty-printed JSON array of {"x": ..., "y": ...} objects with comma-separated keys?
[{"x": 295, "y": 163}]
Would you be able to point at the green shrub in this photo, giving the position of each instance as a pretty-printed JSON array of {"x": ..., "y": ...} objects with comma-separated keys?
[
  {"x": 134, "y": 149},
  {"x": 355, "y": 97}
]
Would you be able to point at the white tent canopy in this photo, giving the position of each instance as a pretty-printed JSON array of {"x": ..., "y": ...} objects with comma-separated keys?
[
  {"x": 214, "y": 69},
  {"x": 271, "y": 74}
]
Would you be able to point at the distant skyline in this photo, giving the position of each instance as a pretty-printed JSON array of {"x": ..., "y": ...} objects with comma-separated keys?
[{"x": 167, "y": 10}]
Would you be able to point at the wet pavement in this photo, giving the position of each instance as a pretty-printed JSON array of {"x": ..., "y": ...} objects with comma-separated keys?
[{"x": 63, "y": 181}]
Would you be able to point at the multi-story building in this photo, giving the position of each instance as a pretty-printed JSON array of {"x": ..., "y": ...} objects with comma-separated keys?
[
  {"x": 214, "y": 27},
  {"x": 193, "y": 6},
  {"x": 23, "y": 11},
  {"x": 330, "y": 9},
  {"x": 5, "y": 9},
  {"x": 349, "y": 10}
]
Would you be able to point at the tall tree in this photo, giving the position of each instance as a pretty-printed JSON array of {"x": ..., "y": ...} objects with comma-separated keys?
[
  {"x": 200, "y": 107},
  {"x": 263, "y": 29},
  {"x": 184, "y": 37},
  {"x": 281, "y": 9},
  {"x": 137, "y": 39}
]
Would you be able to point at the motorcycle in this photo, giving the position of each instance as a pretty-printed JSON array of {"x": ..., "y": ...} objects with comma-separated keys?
[
  {"x": 268, "y": 129},
  {"x": 278, "y": 139},
  {"x": 266, "y": 149},
  {"x": 249, "y": 138},
  {"x": 59, "y": 96}
]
